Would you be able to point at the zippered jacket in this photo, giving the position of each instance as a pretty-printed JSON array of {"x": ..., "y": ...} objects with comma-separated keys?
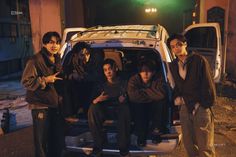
[
  {"x": 33, "y": 79},
  {"x": 198, "y": 86}
]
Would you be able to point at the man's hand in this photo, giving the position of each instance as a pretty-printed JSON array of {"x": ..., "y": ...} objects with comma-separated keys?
[
  {"x": 179, "y": 101},
  {"x": 102, "y": 97},
  {"x": 74, "y": 75},
  {"x": 122, "y": 98},
  {"x": 52, "y": 78}
]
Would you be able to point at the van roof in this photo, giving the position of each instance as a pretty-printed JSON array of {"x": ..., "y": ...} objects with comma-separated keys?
[{"x": 144, "y": 32}]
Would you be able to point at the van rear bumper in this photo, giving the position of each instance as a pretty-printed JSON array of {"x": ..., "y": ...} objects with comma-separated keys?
[{"x": 83, "y": 143}]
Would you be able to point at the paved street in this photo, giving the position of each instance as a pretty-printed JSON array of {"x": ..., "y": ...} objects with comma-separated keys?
[
  {"x": 20, "y": 143},
  {"x": 12, "y": 97},
  {"x": 17, "y": 143}
]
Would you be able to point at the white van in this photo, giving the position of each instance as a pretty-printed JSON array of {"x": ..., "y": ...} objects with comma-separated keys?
[{"x": 131, "y": 41}]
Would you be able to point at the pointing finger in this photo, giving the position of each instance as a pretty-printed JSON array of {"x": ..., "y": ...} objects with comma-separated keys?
[
  {"x": 58, "y": 78},
  {"x": 56, "y": 73}
]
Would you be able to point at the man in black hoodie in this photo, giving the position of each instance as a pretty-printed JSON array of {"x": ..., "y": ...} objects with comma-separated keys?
[
  {"x": 147, "y": 94},
  {"x": 195, "y": 92},
  {"x": 39, "y": 78}
]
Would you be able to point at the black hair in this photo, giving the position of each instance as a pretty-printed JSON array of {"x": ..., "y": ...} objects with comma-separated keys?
[
  {"x": 47, "y": 37},
  {"x": 146, "y": 62},
  {"x": 109, "y": 61},
  {"x": 179, "y": 37},
  {"x": 79, "y": 46}
]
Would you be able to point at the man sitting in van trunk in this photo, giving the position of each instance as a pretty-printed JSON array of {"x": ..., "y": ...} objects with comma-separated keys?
[
  {"x": 82, "y": 71},
  {"x": 147, "y": 94},
  {"x": 111, "y": 93}
]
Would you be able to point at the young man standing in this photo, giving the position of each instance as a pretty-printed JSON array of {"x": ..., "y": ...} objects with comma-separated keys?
[
  {"x": 195, "y": 91},
  {"x": 39, "y": 77},
  {"x": 111, "y": 93},
  {"x": 147, "y": 94}
]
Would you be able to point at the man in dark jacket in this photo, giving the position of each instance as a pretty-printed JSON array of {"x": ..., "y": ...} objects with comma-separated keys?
[
  {"x": 82, "y": 69},
  {"x": 39, "y": 78},
  {"x": 195, "y": 91},
  {"x": 147, "y": 94},
  {"x": 110, "y": 94}
]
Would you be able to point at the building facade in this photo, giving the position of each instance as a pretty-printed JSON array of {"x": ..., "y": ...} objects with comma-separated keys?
[
  {"x": 224, "y": 13},
  {"x": 23, "y": 22},
  {"x": 15, "y": 35}
]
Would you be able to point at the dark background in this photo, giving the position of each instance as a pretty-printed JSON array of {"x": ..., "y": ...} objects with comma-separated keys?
[{"x": 174, "y": 15}]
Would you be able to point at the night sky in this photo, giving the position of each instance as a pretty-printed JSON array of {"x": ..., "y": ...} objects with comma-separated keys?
[{"x": 170, "y": 13}]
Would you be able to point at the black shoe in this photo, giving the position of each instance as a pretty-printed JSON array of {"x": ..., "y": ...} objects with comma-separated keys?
[
  {"x": 156, "y": 139},
  {"x": 156, "y": 136},
  {"x": 141, "y": 143},
  {"x": 96, "y": 153},
  {"x": 127, "y": 155},
  {"x": 156, "y": 131}
]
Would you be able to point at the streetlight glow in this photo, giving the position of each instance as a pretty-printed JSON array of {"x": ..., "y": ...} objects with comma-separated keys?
[{"x": 150, "y": 10}]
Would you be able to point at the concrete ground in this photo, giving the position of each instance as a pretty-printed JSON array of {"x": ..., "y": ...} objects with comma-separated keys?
[
  {"x": 17, "y": 144},
  {"x": 20, "y": 143}
]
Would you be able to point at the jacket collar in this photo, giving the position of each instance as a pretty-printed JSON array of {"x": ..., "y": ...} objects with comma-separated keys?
[
  {"x": 188, "y": 59},
  {"x": 48, "y": 62}
]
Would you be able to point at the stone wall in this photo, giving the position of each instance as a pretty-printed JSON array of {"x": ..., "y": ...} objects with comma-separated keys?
[{"x": 231, "y": 48}]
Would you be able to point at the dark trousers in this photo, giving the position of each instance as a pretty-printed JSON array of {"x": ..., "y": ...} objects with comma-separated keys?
[
  {"x": 48, "y": 127},
  {"x": 98, "y": 114},
  {"x": 145, "y": 114},
  {"x": 76, "y": 95}
]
